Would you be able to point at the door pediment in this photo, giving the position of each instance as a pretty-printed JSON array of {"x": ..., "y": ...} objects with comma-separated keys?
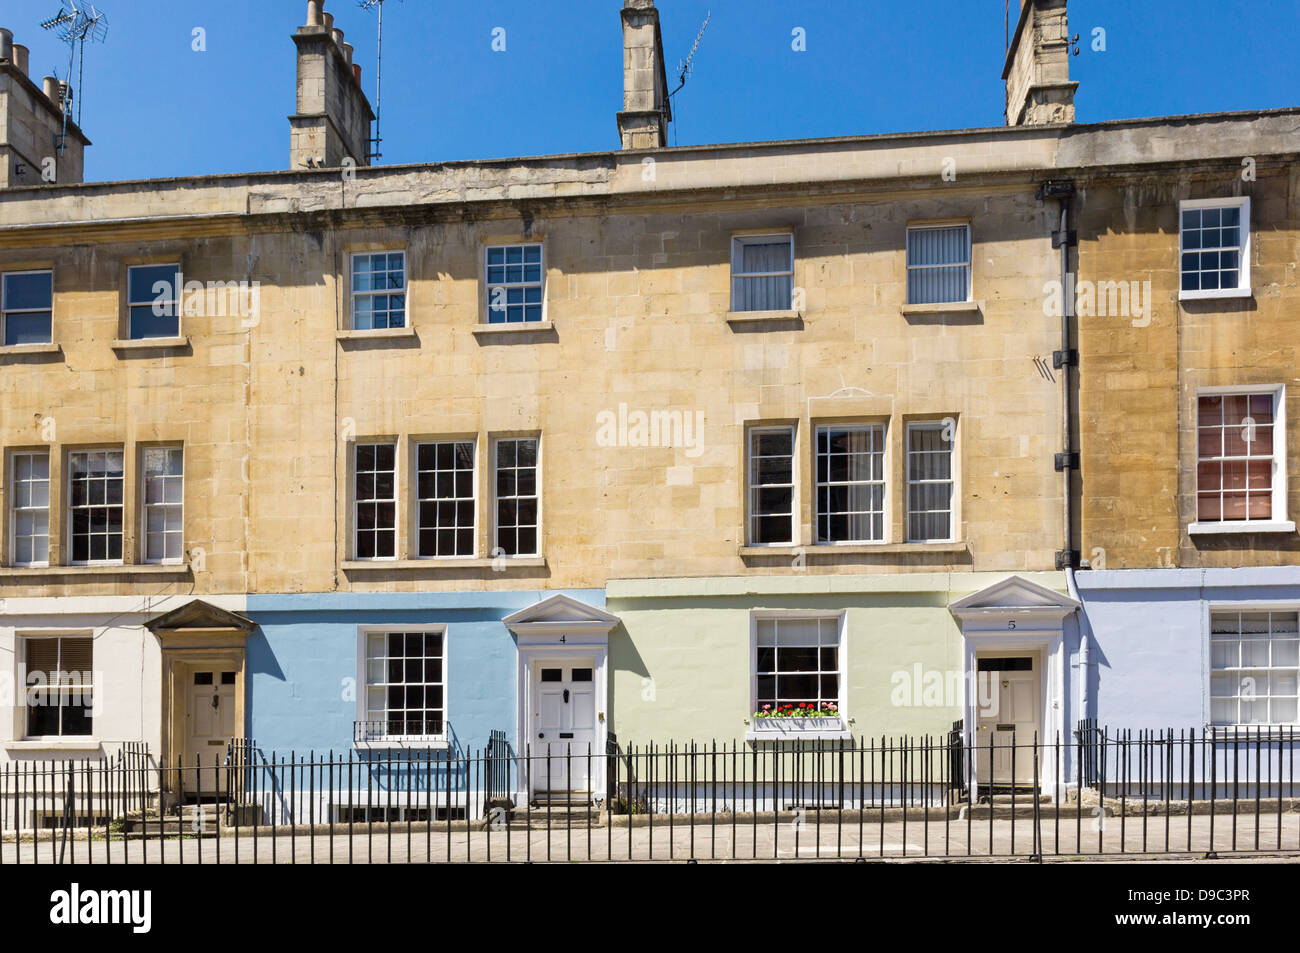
[
  {"x": 560, "y": 613},
  {"x": 1013, "y": 598},
  {"x": 201, "y": 618}
]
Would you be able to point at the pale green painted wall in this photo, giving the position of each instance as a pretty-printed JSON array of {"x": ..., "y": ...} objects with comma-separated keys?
[{"x": 681, "y": 656}]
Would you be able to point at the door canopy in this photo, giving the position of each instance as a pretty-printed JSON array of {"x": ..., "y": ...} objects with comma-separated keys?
[{"x": 560, "y": 613}]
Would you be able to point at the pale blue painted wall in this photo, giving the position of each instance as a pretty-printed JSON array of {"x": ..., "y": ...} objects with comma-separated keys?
[
  {"x": 1150, "y": 638},
  {"x": 306, "y": 646}
]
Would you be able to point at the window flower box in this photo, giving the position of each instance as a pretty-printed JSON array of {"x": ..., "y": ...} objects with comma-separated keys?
[{"x": 797, "y": 723}]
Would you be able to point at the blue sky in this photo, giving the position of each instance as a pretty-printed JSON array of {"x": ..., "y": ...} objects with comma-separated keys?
[{"x": 154, "y": 107}]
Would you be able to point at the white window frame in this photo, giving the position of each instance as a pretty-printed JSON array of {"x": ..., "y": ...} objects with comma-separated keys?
[
  {"x": 1278, "y": 522},
  {"x": 908, "y": 482},
  {"x": 763, "y": 238},
  {"x": 493, "y": 544},
  {"x": 146, "y": 507},
  {"x": 14, "y": 510},
  {"x": 750, "y": 486},
  {"x": 472, "y": 498},
  {"x": 840, "y": 618},
  {"x": 356, "y": 503},
  {"x": 6, "y": 311},
  {"x": 68, "y": 507},
  {"x": 969, "y": 263},
  {"x": 176, "y": 302},
  {"x": 431, "y": 741},
  {"x": 1243, "y": 289},
  {"x": 883, "y": 430},
  {"x": 489, "y": 286},
  {"x": 22, "y": 641},
  {"x": 353, "y": 293},
  {"x": 1209, "y": 670}
]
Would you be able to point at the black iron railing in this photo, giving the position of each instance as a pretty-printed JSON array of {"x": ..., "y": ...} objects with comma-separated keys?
[
  {"x": 996, "y": 794},
  {"x": 394, "y": 729}
]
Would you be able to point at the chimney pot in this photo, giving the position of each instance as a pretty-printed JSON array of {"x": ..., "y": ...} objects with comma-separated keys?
[
  {"x": 20, "y": 58},
  {"x": 314, "y": 10},
  {"x": 6, "y": 44},
  {"x": 337, "y": 36},
  {"x": 51, "y": 84},
  {"x": 347, "y": 52},
  {"x": 356, "y": 72},
  {"x": 328, "y": 18}
]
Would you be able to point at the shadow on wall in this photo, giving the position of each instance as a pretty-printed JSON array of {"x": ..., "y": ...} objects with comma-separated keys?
[{"x": 623, "y": 656}]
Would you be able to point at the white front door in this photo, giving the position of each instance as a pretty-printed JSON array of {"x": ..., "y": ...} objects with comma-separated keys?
[
  {"x": 562, "y": 731},
  {"x": 209, "y": 727},
  {"x": 1009, "y": 708}
]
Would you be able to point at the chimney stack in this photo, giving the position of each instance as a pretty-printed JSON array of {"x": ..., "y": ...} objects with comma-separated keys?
[
  {"x": 52, "y": 92},
  {"x": 34, "y": 149},
  {"x": 1037, "y": 69},
  {"x": 643, "y": 122},
  {"x": 332, "y": 121}
]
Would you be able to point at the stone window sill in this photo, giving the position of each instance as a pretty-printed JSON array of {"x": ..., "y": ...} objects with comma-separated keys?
[
  {"x": 1218, "y": 293},
  {"x": 117, "y": 569},
  {"x": 1244, "y": 526},
  {"x": 375, "y": 334},
  {"x": 151, "y": 344},
  {"x": 423, "y": 565},
  {"x": 760, "y": 319},
  {"x": 52, "y": 744},
  {"x": 945, "y": 307},
  {"x": 17, "y": 350},
  {"x": 864, "y": 549},
  {"x": 507, "y": 330}
]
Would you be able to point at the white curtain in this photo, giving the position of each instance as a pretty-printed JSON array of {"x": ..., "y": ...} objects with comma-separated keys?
[
  {"x": 938, "y": 264},
  {"x": 767, "y": 293}
]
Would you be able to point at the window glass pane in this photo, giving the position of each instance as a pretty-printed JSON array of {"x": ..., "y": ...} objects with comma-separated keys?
[
  {"x": 404, "y": 676},
  {"x": 797, "y": 666},
  {"x": 1254, "y": 659},
  {"x": 762, "y": 274},
  {"x": 163, "y": 503},
  {"x": 60, "y": 704},
  {"x": 29, "y": 508},
  {"x": 374, "y": 276},
  {"x": 27, "y": 327},
  {"x": 516, "y": 497},
  {"x": 1212, "y": 242},
  {"x": 514, "y": 284},
  {"x": 375, "y": 501},
  {"x": 771, "y": 486},
  {"x": 95, "y": 505},
  {"x": 930, "y": 482},
  {"x": 33, "y": 291},
  {"x": 1235, "y": 457},
  {"x": 938, "y": 264},
  {"x": 445, "y": 498},
  {"x": 850, "y": 484},
  {"x": 147, "y": 284}
]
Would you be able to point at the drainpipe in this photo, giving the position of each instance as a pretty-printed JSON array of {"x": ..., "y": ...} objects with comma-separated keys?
[
  {"x": 1085, "y": 649},
  {"x": 1067, "y": 461}
]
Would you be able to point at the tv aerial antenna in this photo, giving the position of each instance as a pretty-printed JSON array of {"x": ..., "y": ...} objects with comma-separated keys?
[
  {"x": 74, "y": 24},
  {"x": 377, "y": 5},
  {"x": 684, "y": 67}
]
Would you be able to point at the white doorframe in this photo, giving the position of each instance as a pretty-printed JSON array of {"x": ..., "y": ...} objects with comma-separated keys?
[
  {"x": 563, "y": 645},
  {"x": 1048, "y": 646}
]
